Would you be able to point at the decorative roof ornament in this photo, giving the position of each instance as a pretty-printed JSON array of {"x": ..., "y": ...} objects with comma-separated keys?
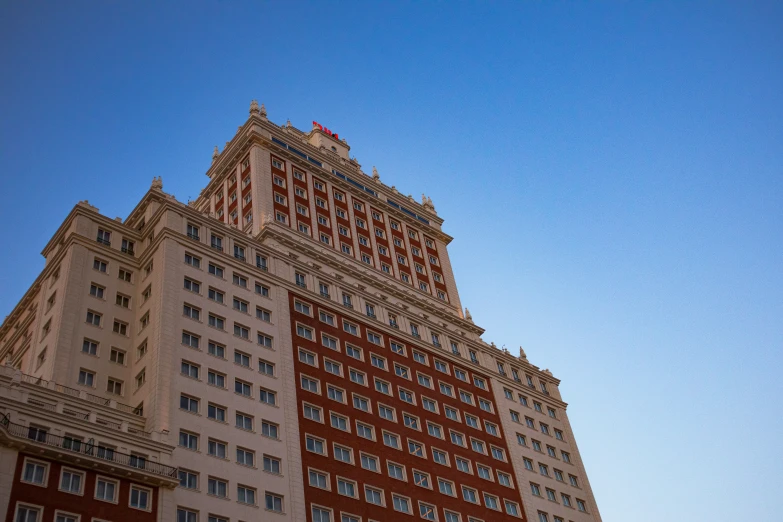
[
  {"x": 505, "y": 350},
  {"x": 427, "y": 203},
  {"x": 288, "y": 123},
  {"x": 254, "y": 107},
  {"x": 522, "y": 354},
  {"x": 394, "y": 189},
  {"x": 546, "y": 371},
  {"x": 157, "y": 183},
  {"x": 493, "y": 346},
  {"x": 375, "y": 175},
  {"x": 215, "y": 154},
  {"x": 468, "y": 317},
  {"x": 263, "y": 111}
]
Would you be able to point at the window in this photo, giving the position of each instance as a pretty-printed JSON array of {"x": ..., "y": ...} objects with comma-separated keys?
[
  {"x": 361, "y": 403},
  {"x": 318, "y": 479},
  {"x": 358, "y": 377},
  {"x": 35, "y": 472},
  {"x": 446, "y": 389},
  {"x": 485, "y": 405},
  {"x": 217, "y": 350},
  {"x": 140, "y": 498},
  {"x": 216, "y": 412},
  {"x": 99, "y": 265},
  {"x": 353, "y": 352},
  {"x": 104, "y": 237},
  {"x": 429, "y": 404},
  {"x": 369, "y": 462},
  {"x": 467, "y": 398},
  {"x": 392, "y": 440},
  {"x": 346, "y": 487},
  {"x": 86, "y": 378},
  {"x": 312, "y": 412},
  {"x": 336, "y": 394},
  {"x": 96, "y": 291},
  {"x": 338, "y": 422},
  {"x": 114, "y": 387},
  {"x": 440, "y": 457},
  {"x": 71, "y": 481},
  {"x": 273, "y": 502},
  {"x": 573, "y": 480},
  {"x": 491, "y": 501},
  {"x": 93, "y": 318},
  {"x": 402, "y": 371},
  {"x": 424, "y": 380},
  {"x": 386, "y": 412},
  {"x": 242, "y": 387},
  {"x": 343, "y": 454},
  {"x": 240, "y": 305},
  {"x": 90, "y": 347},
  {"x": 106, "y": 489},
  {"x": 373, "y": 495},
  {"x": 463, "y": 465},
  {"x": 216, "y": 322},
  {"x": 217, "y": 487},
  {"x": 192, "y": 286},
  {"x": 382, "y": 386},
  {"x": 315, "y": 445},
  {"x": 188, "y": 479},
  {"x": 268, "y": 397},
  {"x": 406, "y": 396},
  {"x": 378, "y": 361},
  {"x": 498, "y": 453},
  {"x": 401, "y": 504},
  {"x": 365, "y": 431},
  {"x": 351, "y": 328},
  {"x": 446, "y": 487},
  {"x": 478, "y": 446},
  {"x": 188, "y": 440},
  {"x": 457, "y": 438},
  {"x": 451, "y": 413}
]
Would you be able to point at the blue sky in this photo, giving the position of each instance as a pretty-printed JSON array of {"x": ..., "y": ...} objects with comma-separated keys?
[{"x": 612, "y": 174}]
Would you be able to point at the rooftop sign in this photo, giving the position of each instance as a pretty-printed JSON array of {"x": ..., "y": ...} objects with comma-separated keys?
[{"x": 327, "y": 131}]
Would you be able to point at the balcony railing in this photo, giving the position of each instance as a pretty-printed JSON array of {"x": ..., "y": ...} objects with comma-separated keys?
[
  {"x": 241, "y": 257},
  {"x": 193, "y": 236},
  {"x": 129, "y": 251},
  {"x": 38, "y": 381},
  {"x": 103, "y": 241},
  {"x": 216, "y": 246},
  {"x": 86, "y": 448}
]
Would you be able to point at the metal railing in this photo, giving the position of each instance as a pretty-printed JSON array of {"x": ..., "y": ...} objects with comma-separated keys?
[{"x": 86, "y": 448}]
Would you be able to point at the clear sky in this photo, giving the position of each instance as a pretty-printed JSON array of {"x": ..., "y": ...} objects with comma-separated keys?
[{"x": 612, "y": 174}]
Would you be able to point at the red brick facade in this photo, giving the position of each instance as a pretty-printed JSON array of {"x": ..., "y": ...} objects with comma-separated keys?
[
  {"x": 52, "y": 499},
  {"x": 403, "y": 457}
]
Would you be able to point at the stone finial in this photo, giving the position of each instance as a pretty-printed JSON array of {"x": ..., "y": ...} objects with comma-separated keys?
[
  {"x": 493, "y": 345},
  {"x": 394, "y": 189},
  {"x": 546, "y": 371},
  {"x": 215, "y": 154},
  {"x": 254, "y": 107},
  {"x": 522, "y": 354},
  {"x": 427, "y": 203},
  {"x": 505, "y": 350},
  {"x": 157, "y": 183},
  {"x": 375, "y": 175},
  {"x": 288, "y": 123},
  {"x": 262, "y": 111},
  {"x": 468, "y": 317}
]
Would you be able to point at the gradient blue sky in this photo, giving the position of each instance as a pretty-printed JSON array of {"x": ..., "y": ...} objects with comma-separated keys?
[{"x": 627, "y": 159}]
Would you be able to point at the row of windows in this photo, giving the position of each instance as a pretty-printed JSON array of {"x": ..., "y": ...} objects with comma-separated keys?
[
  {"x": 389, "y": 413},
  {"x": 550, "y": 450},
  {"x": 543, "y": 469},
  {"x": 219, "y": 487},
  {"x": 551, "y": 495},
  {"x": 345, "y": 454},
  {"x": 73, "y": 480},
  {"x": 104, "y": 237},
  {"x": 377, "y": 496},
  {"x": 375, "y": 338},
  {"x": 216, "y": 241}
]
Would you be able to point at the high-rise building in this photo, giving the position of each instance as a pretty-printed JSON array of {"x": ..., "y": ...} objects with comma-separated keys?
[{"x": 289, "y": 346}]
